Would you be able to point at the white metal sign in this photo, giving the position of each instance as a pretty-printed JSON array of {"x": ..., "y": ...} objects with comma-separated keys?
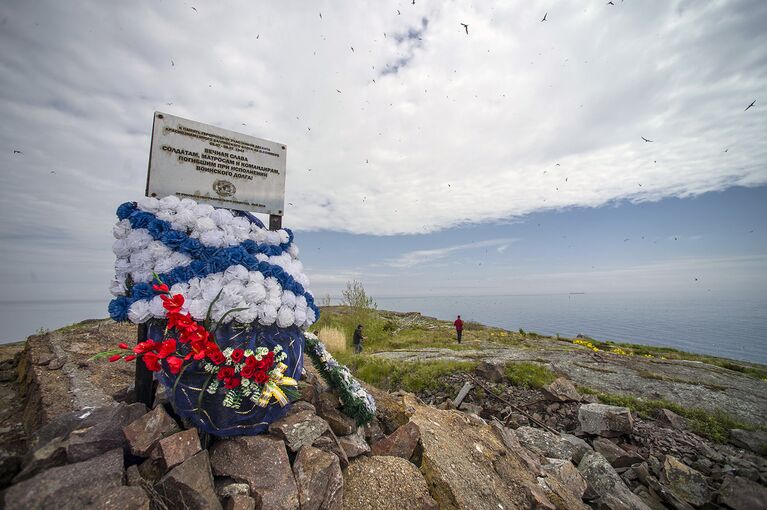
[{"x": 215, "y": 166}]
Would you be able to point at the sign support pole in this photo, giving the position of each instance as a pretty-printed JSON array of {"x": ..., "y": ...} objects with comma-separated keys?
[{"x": 144, "y": 383}]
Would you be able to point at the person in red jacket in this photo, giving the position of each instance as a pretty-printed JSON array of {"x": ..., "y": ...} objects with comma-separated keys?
[{"x": 458, "y": 328}]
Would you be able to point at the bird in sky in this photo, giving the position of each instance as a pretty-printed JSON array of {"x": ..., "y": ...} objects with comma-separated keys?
[
  {"x": 413, "y": 2},
  {"x": 18, "y": 152},
  {"x": 646, "y": 140},
  {"x": 725, "y": 150},
  {"x": 172, "y": 63},
  {"x": 320, "y": 15},
  {"x": 544, "y": 17},
  {"x": 338, "y": 91},
  {"x": 398, "y": 13},
  {"x": 352, "y": 47},
  {"x": 610, "y": 3},
  {"x": 466, "y": 27},
  {"x": 752, "y": 104},
  {"x": 194, "y": 9}
]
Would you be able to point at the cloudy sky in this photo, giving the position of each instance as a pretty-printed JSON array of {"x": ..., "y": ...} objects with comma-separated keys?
[{"x": 421, "y": 159}]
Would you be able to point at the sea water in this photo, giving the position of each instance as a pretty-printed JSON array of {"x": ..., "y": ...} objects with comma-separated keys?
[{"x": 732, "y": 327}]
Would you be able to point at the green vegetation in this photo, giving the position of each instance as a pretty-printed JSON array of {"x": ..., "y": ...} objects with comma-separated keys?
[
  {"x": 528, "y": 374},
  {"x": 409, "y": 376},
  {"x": 715, "y": 425},
  {"x": 660, "y": 377},
  {"x": 675, "y": 354}
]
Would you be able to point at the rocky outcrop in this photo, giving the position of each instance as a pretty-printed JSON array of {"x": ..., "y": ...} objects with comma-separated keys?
[
  {"x": 190, "y": 485},
  {"x": 561, "y": 390},
  {"x": 605, "y": 485},
  {"x": 685, "y": 482},
  {"x": 385, "y": 483},
  {"x": 319, "y": 480},
  {"x": 400, "y": 443},
  {"x": 273, "y": 482}
]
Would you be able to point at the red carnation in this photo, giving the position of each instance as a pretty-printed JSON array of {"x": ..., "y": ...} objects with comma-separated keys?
[
  {"x": 168, "y": 347},
  {"x": 248, "y": 371},
  {"x": 261, "y": 377},
  {"x": 142, "y": 347},
  {"x": 174, "y": 303},
  {"x": 237, "y": 355},
  {"x": 174, "y": 364},
  {"x": 181, "y": 322},
  {"x": 231, "y": 382},
  {"x": 151, "y": 361},
  {"x": 225, "y": 373},
  {"x": 161, "y": 288},
  {"x": 115, "y": 357}
]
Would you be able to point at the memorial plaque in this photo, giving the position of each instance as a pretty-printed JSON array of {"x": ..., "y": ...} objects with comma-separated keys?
[{"x": 215, "y": 166}]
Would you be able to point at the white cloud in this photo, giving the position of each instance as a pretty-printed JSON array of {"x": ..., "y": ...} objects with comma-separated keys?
[
  {"x": 517, "y": 116},
  {"x": 413, "y": 258}
]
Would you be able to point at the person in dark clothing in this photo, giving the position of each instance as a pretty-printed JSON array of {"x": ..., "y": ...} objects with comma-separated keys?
[
  {"x": 357, "y": 339},
  {"x": 458, "y": 328}
]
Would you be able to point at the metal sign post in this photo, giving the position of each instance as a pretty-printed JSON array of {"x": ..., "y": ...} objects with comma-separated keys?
[{"x": 215, "y": 166}]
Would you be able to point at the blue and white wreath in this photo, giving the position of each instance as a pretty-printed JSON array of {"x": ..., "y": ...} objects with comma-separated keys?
[{"x": 201, "y": 251}]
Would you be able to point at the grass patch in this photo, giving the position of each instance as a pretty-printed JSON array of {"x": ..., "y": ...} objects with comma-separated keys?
[
  {"x": 649, "y": 351},
  {"x": 397, "y": 375},
  {"x": 334, "y": 339},
  {"x": 660, "y": 377},
  {"x": 528, "y": 374},
  {"x": 714, "y": 425}
]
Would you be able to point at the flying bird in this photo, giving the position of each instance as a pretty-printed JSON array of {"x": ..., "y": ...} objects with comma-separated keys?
[
  {"x": 725, "y": 150},
  {"x": 466, "y": 27},
  {"x": 18, "y": 152},
  {"x": 646, "y": 140},
  {"x": 194, "y": 9},
  {"x": 752, "y": 104},
  {"x": 413, "y": 2},
  {"x": 320, "y": 15},
  {"x": 172, "y": 63},
  {"x": 338, "y": 91},
  {"x": 610, "y": 3},
  {"x": 544, "y": 17},
  {"x": 398, "y": 13},
  {"x": 352, "y": 47}
]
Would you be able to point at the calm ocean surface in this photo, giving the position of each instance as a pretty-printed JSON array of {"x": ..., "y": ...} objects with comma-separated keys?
[{"x": 732, "y": 327}]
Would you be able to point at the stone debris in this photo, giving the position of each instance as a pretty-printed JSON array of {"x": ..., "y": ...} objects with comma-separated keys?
[
  {"x": 606, "y": 421},
  {"x": 299, "y": 429},
  {"x": 319, "y": 480},
  {"x": 190, "y": 485},
  {"x": 467, "y": 387},
  {"x": 561, "y": 390},
  {"x": 685, "y": 482},
  {"x": 119, "y": 456},
  {"x": 273, "y": 482},
  {"x": 740, "y": 493},
  {"x": 145, "y": 432}
]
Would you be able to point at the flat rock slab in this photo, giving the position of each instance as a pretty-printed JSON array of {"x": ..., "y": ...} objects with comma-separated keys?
[
  {"x": 73, "y": 486},
  {"x": 175, "y": 449},
  {"x": 615, "y": 455},
  {"x": 144, "y": 433},
  {"x": 299, "y": 429},
  {"x": 754, "y": 440},
  {"x": 742, "y": 494},
  {"x": 261, "y": 462},
  {"x": 385, "y": 483},
  {"x": 190, "y": 485},
  {"x": 605, "y": 484},
  {"x": 685, "y": 482},
  {"x": 123, "y": 498},
  {"x": 546, "y": 443},
  {"x": 604, "y": 420},
  {"x": 568, "y": 474},
  {"x": 319, "y": 480},
  {"x": 354, "y": 446},
  {"x": 561, "y": 390},
  {"x": 400, "y": 443}
]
